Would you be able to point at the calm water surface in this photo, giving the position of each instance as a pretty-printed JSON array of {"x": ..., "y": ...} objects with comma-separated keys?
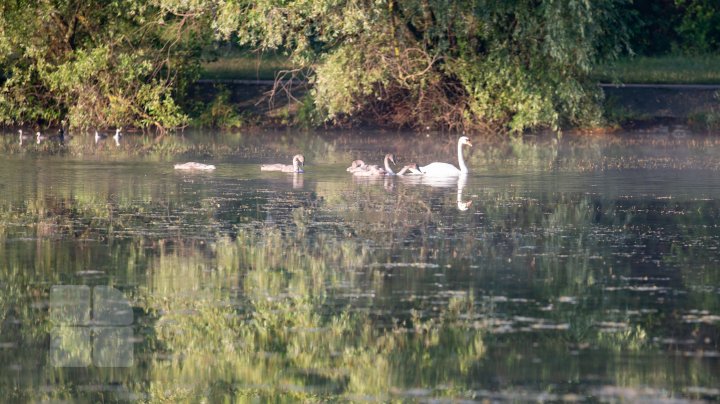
[{"x": 579, "y": 269}]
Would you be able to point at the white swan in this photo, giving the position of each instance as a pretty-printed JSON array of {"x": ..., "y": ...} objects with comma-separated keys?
[
  {"x": 296, "y": 167},
  {"x": 194, "y": 166},
  {"x": 23, "y": 136},
  {"x": 39, "y": 137},
  {"x": 99, "y": 137},
  {"x": 438, "y": 169},
  {"x": 117, "y": 136}
]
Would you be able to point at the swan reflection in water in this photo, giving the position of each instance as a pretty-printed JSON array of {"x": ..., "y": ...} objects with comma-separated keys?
[
  {"x": 298, "y": 181},
  {"x": 358, "y": 168},
  {"x": 462, "y": 205},
  {"x": 440, "y": 182},
  {"x": 387, "y": 181}
]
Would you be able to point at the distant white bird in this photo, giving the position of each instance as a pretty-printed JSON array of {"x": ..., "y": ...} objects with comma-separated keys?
[
  {"x": 296, "y": 167},
  {"x": 117, "y": 136},
  {"x": 99, "y": 136},
  {"x": 61, "y": 132},
  {"x": 194, "y": 166},
  {"x": 23, "y": 136},
  {"x": 39, "y": 137},
  {"x": 438, "y": 169}
]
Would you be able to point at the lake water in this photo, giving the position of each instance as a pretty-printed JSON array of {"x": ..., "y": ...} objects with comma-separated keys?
[{"x": 582, "y": 269}]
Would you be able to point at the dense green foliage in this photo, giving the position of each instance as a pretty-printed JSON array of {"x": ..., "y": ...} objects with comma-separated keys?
[
  {"x": 96, "y": 63},
  {"x": 418, "y": 63},
  {"x": 669, "y": 69},
  {"x": 674, "y": 26},
  {"x": 433, "y": 64},
  {"x": 467, "y": 64}
]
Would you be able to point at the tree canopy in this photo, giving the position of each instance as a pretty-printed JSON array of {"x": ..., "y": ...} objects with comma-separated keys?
[
  {"x": 96, "y": 63},
  {"x": 466, "y": 64},
  {"x": 425, "y": 63}
]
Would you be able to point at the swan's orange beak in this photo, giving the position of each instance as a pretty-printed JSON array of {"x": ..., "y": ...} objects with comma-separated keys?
[{"x": 469, "y": 144}]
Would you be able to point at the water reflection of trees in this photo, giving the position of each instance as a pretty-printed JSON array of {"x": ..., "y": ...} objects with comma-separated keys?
[
  {"x": 279, "y": 331},
  {"x": 307, "y": 305}
]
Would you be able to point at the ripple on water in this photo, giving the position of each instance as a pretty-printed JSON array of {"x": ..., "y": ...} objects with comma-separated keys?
[
  {"x": 642, "y": 288},
  {"x": 701, "y": 317},
  {"x": 396, "y": 246},
  {"x": 637, "y": 394},
  {"x": 393, "y": 265}
]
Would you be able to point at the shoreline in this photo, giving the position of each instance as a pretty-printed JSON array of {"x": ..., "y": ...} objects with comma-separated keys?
[{"x": 626, "y": 106}]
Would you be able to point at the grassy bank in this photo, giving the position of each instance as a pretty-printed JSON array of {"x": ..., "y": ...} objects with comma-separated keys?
[
  {"x": 245, "y": 66},
  {"x": 662, "y": 70},
  {"x": 647, "y": 70},
  {"x": 698, "y": 107}
]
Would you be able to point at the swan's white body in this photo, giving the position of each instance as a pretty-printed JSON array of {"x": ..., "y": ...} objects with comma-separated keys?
[
  {"x": 296, "y": 167},
  {"x": 39, "y": 137},
  {"x": 194, "y": 166},
  {"x": 438, "y": 169}
]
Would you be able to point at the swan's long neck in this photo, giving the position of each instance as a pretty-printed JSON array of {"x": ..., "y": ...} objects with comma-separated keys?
[
  {"x": 461, "y": 159},
  {"x": 388, "y": 170},
  {"x": 296, "y": 164}
]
